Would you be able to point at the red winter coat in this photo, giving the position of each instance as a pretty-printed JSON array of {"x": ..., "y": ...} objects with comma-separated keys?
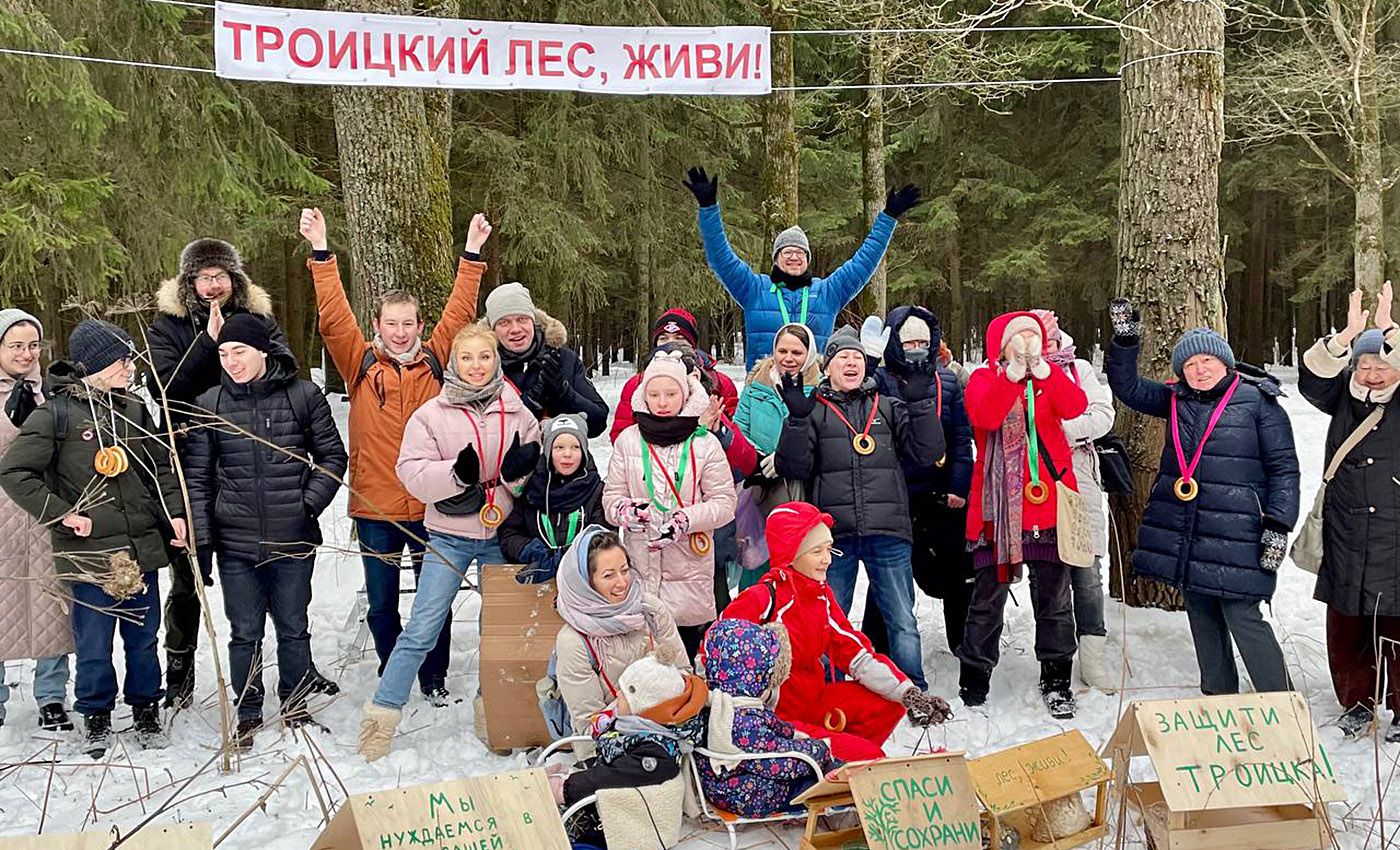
[
  {"x": 990, "y": 396},
  {"x": 728, "y": 393}
]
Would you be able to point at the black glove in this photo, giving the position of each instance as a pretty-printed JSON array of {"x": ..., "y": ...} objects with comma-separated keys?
[
  {"x": 519, "y": 460},
  {"x": 902, "y": 200},
  {"x": 1275, "y": 547},
  {"x": 919, "y": 385},
  {"x": 703, "y": 187},
  {"x": 551, "y": 376},
  {"x": 467, "y": 469},
  {"x": 21, "y": 403},
  {"x": 206, "y": 565},
  {"x": 924, "y": 709},
  {"x": 1127, "y": 321},
  {"x": 799, "y": 404}
]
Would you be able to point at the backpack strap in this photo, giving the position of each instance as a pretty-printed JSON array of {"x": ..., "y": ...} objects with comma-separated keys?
[
  {"x": 597, "y": 665},
  {"x": 301, "y": 410},
  {"x": 434, "y": 365},
  {"x": 59, "y": 404}
]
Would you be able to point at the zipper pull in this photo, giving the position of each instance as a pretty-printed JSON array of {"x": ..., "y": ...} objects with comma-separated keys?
[{"x": 1035, "y": 532}]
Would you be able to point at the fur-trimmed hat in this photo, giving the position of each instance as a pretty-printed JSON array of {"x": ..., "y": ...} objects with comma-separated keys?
[{"x": 205, "y": 253}]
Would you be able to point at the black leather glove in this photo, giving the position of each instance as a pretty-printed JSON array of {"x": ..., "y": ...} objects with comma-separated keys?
[
  {"x": 918, "y": 386},
  {"x": 799, "y": 404},
  {"x": 702, "y": 186},
  {"x": 1127, "y": 321},
  {"x": 551, "y": 376},
  {"x": 519, "y": 460},
  {"x": 467, "y": 469},
  {"x": 902, "y": 200},
  {"x": 21, "y": 403}
]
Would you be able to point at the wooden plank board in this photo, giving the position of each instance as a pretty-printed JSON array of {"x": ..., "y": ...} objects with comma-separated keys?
[
  {"x": 518, "y": 629},
  {"x": 513, "y": 809},
  {"x": 920, "y": 801},
  {"x": 1030, "y": 774},
  {"x": 172, "y": 836}
]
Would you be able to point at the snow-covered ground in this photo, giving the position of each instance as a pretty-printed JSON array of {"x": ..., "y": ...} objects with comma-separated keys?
[{"x": 436, "y": 744}]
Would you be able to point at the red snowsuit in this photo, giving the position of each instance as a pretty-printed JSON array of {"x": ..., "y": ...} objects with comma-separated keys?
[{"x": 870, "y": 705}]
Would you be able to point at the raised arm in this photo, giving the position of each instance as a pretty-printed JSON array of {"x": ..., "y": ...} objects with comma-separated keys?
[{"x": 742, "y": 283}]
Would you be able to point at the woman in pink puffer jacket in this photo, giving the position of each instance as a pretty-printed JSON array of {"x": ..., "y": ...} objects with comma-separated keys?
[{"x": 668, "y": 488}]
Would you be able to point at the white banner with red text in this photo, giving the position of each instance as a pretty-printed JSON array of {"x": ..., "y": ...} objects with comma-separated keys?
[{"x": 354, "y": 49}]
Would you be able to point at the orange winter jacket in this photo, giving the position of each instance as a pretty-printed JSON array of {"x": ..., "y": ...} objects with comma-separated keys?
[{"x": 381, "y": 403}]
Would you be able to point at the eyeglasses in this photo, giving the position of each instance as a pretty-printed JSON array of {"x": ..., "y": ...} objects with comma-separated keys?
[
  {"x": 789, "y": 253},
  {"x": 206, "y": 279},
  {"x": 18, "y": 347}
]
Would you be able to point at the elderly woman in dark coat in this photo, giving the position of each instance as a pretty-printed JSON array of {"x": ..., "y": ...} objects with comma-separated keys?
[
  {"x": 1217, "y": 521},
  {"x": 1347, "y": 376}
]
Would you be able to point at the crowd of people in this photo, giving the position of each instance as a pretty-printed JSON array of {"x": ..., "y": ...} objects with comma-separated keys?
[{"x": 847, "y": 448}]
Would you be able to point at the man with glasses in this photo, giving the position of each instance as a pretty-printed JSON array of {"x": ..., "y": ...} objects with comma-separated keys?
[{"x": 193, "y": 306}]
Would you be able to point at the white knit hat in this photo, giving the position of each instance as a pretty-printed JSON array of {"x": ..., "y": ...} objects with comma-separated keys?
[
  {"x": 915, "y": 329},
  {"x": 1018, "y": 324},
  {"x": 508, "y": 299},
  {"x": 647, "y": 683}
]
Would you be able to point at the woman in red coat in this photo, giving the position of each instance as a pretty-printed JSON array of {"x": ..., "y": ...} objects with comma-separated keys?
[{"x": 1016, "y": 405}]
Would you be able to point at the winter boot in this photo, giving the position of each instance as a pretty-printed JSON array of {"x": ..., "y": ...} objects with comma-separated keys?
[
  {"x": 1356, "y": 721},
  {"x": 149, "y": 735},
  {"x": 247, "y": 729},
  {"x": 52, "y": 718},
  {"x": 1055, "y": 690},
  {"x": 1093, "y": 664},
  {"x": 179, "y": 679},
  {"x": 438, "y": 696},
  {"x": 315, "y": 683},
  {"x": 377, "y": 727},
  {"x": 1393, "y": 735},
  {"x": 973, "y": 685},
  {"x": 97, "y": 734}
]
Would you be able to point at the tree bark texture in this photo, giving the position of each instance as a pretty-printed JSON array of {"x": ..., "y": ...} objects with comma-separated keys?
[
  {"x": 1169, "y": 259},
  {"x": 779, "y": 177},
  {"x": 1369, "y": 170},
  {"x": 394, "y": 147},
  {"x": 872, "y": 161}
]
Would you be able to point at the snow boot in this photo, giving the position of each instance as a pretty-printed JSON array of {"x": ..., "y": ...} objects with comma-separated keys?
[
  {"x": 1393, "y": 736},
  {"x": 1093, "y": 664},
  {"x": 97, "y": 734},
  {"x": 1356, "y": 722},
  {"x": 52, "y": 718},
  {"x": 1055, "y": 690},
  {"x": 438, "y": 696},
  {"x": 149, "y": 735},
  {"x": 247, "y": 729},
  {"x": 973, "y": 686},
  {"x": 377, "y": 727},
  {"x": 315, "y": 683},
  {"x": 179, "y": 679}
]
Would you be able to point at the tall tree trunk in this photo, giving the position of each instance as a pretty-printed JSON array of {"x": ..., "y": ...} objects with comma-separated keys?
[
  {"x": 955, "y": 326},
  {"x": 1169, "y": 230},
  {"x": 872, "y": 161},
  {"x": 1369, "y": 176},
  {"x": 393, "y": 145},
  {"x": 778, "y": 208}
]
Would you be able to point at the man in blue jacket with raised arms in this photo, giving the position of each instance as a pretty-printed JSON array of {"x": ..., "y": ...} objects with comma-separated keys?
[{"x": 790, "y": 293}]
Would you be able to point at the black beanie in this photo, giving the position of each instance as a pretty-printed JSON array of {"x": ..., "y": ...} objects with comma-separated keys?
[{"x": 248, "y": 329}]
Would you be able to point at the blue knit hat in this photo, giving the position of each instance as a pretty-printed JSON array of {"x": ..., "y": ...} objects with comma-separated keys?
[
  {"x": 94, "y": 345},
  {"x": 1370, "y": 342},
  {"x": 1201, "y": 341}
]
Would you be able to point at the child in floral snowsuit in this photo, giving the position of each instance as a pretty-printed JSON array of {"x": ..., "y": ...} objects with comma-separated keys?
[{"x": 745, "y": 664}]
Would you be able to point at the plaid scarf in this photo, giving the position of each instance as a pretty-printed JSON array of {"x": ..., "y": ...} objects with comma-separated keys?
[{"x": 1003, "y": 486}]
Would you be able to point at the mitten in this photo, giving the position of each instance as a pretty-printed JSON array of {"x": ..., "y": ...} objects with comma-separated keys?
[
  {"x": 674, "y": 528},
  {"x": 467, "y": 469},
  {"x": 799, "y": 404},
  {"x": 874, "y": 336},
  {"x": 634, "y": 516},
  {"x": 924, "y": 709},
  {"x": 1127, "y": 321},
  {"x": 520, "y": 460},
  {"x": 1275, "y": 547},
  {"x": 918, "y": 386}
]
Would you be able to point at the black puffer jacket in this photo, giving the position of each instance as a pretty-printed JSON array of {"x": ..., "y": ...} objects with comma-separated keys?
[
  {"x": 1360, "y": 573},
  {"x": 955, "y": 475},
  {"x": 186, "y": 360},
  {"x": 576, "y": 395},
  {"x": 1248, "y": 478},
  {"x": 251, "y": 500},
  {"x": 866, "y": 495},
  {"x": 523, "y": 535}
]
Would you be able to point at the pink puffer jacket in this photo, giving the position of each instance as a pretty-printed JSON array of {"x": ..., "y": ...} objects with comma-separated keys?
[
  {"x": 682, "y": 579},
  {"x": 438, "y": 431}
]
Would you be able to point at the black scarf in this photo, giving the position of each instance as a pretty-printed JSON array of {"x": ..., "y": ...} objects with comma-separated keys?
[
  {"x": 793, "y": 282},
  {"x": 510, "y": 359},
  {"x": 562, "y": 494},
  {"x": 665, "y": 430}
]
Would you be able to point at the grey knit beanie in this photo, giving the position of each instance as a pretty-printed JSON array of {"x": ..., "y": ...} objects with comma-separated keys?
[
  {"x": 1370, "y": 342},
  {"x": 94, "y": 345},
  {"x": 508, "y": 299},
  {"x": 566, "y": 423},
  {"x": 844, "y": 339},
  {"x": 11, "y": 316},
  {"x": 792, "y": 237},
  {"x": 1201, "y": 341}
]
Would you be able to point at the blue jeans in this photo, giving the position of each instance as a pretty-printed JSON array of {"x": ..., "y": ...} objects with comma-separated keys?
[
  {"x": 437, "y": 589},
  {"x": 381, "y": 545},
  {"x": 891, "y": 573},
  {"x": 94, "y": 628},
  {"x": 252, "y": 590},
  {"x": 50, "y": 682}
]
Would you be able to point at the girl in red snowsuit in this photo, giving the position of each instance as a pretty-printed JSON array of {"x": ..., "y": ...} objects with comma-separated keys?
[{"x": 857, "y": 716}]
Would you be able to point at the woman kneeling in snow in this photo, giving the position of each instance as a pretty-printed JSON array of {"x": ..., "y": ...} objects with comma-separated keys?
[{"x": 857, "y": 716}]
